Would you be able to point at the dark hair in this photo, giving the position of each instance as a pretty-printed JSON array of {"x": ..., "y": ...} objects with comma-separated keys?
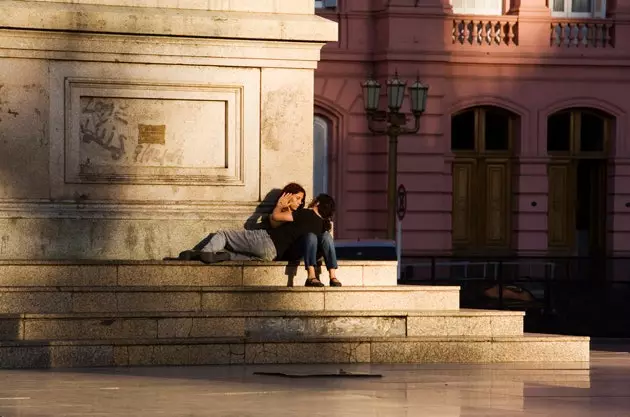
[
  {"x": 326, "y": 209},
  {"x": 294, "y": 188}
]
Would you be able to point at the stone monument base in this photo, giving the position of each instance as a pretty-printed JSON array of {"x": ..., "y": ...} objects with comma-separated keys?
[{"x": 131, "y": 131}]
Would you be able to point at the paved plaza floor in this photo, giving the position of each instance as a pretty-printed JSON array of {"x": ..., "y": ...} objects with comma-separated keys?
[{"x": 432, "y": 390}]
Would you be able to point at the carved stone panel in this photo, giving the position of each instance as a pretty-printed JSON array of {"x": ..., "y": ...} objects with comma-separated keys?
[
  {"x": 134, "y": 133},
  {"x": 147, "y": 133}
]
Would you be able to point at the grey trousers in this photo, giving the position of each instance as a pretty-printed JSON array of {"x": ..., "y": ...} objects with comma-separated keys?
[{"x": 256, "y": 243}]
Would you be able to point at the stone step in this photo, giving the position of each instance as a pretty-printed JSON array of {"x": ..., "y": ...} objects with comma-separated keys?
[
  {"x": 82, "y": 299},
  {"x": 177, "y": 273},
  {"x": 454, "y": 349},
  {"x": 260, "y": 325}
]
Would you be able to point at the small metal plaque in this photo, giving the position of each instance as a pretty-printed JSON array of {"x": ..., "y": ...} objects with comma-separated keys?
[{"x": 155, "y": 134}]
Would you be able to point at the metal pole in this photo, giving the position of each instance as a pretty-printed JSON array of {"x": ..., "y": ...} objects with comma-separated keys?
[{"x": 392, "y": 183}]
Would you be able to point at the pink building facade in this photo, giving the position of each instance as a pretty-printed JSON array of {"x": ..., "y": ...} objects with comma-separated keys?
[{"x": 523, "y": 147}]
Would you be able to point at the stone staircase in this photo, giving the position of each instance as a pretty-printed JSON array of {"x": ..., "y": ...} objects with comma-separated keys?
[{"x": 84, "y": 314}]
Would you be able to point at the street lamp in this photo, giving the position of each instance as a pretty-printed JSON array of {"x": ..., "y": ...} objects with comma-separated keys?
[{"x": 393, "y": 123}]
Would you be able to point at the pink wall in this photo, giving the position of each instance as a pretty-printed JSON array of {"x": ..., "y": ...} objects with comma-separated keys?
[{"x": 532, "y": 79}]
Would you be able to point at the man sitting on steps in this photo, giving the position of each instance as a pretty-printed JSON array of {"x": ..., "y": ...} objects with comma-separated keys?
[{"x": 269, "y": 244}]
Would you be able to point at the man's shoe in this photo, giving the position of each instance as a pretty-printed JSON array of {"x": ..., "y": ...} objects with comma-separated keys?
[
  {"x": 212, "y": 257},
  {"x": 334, "y": 282},
  {"x": 189, "y": 255},
  {"x": 313, "y": 282}
]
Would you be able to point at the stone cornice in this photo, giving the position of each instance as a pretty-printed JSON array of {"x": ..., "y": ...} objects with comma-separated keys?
[
  {"x": 145, "y": 49},
  {"x": 86, "y": 18},
  {"x": 258, "y": 6}
]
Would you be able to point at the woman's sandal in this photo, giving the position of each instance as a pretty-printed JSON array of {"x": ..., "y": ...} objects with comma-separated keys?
[
  {"x": 313, "y": 282},
  {"x": 334, "y": 282}
]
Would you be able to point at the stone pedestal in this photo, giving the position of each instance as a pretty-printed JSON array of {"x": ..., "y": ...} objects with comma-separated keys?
[{"x": 130, "y": 129}]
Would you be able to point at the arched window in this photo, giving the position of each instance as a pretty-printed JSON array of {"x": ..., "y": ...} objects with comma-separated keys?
[
  {"x": 321, "y": 137},
  {"x": 577, "y": 132}
]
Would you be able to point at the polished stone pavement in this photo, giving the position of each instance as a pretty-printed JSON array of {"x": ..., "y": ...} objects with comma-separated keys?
[{"x": 432, "y": 390}]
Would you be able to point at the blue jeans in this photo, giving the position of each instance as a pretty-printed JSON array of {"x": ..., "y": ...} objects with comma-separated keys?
[{"x": 325, "y": 242}]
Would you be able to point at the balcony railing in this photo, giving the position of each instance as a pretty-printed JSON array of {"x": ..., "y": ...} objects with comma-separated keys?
[
  {"x": 594, "y": 34},
  {"x": 479, "y": 30}
]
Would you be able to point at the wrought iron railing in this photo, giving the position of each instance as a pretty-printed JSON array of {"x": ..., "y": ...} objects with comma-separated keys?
[{"x": 575, "y": 295}]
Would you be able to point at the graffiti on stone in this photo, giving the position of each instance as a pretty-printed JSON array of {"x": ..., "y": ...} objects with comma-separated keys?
[
  {"x": 102, "y": 121},
  {"x": 130, "y": 134},
  {"x": 147, "y": 153}
]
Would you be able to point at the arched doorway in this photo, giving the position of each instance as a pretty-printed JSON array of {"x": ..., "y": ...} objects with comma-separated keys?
[
  {"x": 321, "y": 146},
  {"x": 482, "y": 140},
  {"x": 578, "y": 144}
]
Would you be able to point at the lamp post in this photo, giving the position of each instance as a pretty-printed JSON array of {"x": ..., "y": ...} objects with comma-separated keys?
[{"x": 393, "y": 123}]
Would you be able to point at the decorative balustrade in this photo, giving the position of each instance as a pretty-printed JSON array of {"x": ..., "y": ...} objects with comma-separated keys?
[
  {"x": 485, "y": 30},
  {"x": 595, "y": 34}
]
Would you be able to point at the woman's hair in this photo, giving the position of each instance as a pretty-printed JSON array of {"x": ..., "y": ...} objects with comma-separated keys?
[
  {"x": 326, "y": 209},
  {"x": 294, "y": 188}
]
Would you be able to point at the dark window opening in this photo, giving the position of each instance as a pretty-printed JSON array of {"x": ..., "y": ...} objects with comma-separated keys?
[
  {"x": 559, "y": 132},
  {"x": 463, "y": 131},
  {"x": 497, "y": 130},
  {"x": 591, "y": 133}
]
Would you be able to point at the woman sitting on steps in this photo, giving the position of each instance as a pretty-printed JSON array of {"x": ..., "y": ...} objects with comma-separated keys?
[{"x": 311, "y": 244}]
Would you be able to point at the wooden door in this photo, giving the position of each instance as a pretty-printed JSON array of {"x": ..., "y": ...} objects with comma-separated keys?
[
  {"x": 464, "y": 187},
  {"x": 598, "y": 215},
  {"x": 561, "y": 205},
  {"x": 496, "y": 208},
  {"x": 481, "y": 205}
]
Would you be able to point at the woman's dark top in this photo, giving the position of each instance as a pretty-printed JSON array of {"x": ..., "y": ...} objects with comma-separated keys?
[{"x": 304, "y": 221}]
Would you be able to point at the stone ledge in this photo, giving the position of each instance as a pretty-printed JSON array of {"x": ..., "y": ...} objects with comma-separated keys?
[
  {"x": 416, "y": 289},
  {"x": 87, "y": 18},
  {"x": 42, "y": 354},
  {"x": 256, "y": 325},
  {"x": 191, "y": 299},
  {"x": 125, "y": 262},
  {"x": 184, "y": 274},
  {"x": 329, "y": 313},
  {"x": 525, "y": 338}
]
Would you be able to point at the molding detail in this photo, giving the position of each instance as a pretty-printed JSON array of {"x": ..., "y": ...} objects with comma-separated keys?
[{"x": 158, "y": 210}]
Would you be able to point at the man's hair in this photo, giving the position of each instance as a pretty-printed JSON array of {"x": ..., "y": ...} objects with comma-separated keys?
[
  {"x": 325, "y": 208},
  {"x": 294, "y": 188}
]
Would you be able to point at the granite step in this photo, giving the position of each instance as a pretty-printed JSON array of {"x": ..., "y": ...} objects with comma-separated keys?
[
  {"x": 178, "y": 273},
  {"x": 83, "y": 299},
  {"x": 214, "y": 351},
  {"x": 260, "y": 325}
]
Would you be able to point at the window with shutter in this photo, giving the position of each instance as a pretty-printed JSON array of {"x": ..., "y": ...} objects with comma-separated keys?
[
  {"x": 579, "y": 8},
  {"x": 478, "y": 7},
  {"x": 325, "y": 4}
]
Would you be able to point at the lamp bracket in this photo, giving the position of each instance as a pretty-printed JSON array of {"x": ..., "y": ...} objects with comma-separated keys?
[
  {"x": 397, "y": 119},
  {"x": 378, "y": 115}
]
